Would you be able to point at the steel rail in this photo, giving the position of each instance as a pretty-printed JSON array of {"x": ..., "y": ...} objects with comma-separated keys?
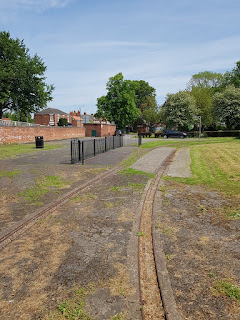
[
  {"x": 156, "y": 297},
  {"x": 11, "y": 233}
]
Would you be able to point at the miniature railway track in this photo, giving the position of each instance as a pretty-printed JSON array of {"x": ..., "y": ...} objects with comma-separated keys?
[
  {"x": 155, "y": 289},
  {"x": 10, "y": 234}
]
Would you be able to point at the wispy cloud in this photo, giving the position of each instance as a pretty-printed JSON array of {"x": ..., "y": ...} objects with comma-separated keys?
[{"x": 34, "y": 5}]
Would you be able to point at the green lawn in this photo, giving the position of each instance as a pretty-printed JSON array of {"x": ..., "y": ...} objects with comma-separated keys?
[
  {"x": 12, "y": 150},
  {"x": 215, "y": 162}
]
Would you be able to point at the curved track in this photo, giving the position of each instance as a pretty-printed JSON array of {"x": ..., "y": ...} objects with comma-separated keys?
[{"x": 155, "y": 289}]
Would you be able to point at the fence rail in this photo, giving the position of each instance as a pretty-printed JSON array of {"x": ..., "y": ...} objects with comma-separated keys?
[
  {"x": 83, "y": 149},
  {"x": 11, "y": 123}
]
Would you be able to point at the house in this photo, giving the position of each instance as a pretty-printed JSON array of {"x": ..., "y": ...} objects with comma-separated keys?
[
  {"x": 95, "y": 127},
  {"x": 50, "y": 117},
  {"x": 76, "y": 119}
]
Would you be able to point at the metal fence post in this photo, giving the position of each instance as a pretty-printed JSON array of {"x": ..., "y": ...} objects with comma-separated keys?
[
  {"x": 83, "y": 156},
  {"x": 71, "y": 151},
  {"x": 139, "y": 140},
  {"x": 105, "y": 144},
  {"x": 94, "y": 147},
  {"x": 113, "y": 142},
  {"x": 79, "y": 150}
]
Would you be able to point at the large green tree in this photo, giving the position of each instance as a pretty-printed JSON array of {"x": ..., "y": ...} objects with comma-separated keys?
[
  {"x": 179, "y": 110},
  {"x": 119, "y": 103},
  {"x": 202, "y": 86},
  {"x": 226, "y": 106},
  {"x": 22, "y": 82}
]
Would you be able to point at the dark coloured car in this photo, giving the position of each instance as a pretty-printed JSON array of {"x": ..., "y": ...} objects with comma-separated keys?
[
  {"x": 173, "y": 134},
  {"x": 118, "y": 132}
]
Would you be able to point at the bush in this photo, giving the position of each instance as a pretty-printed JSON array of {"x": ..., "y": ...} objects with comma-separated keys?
[
  {"x": 63, "y": 122},
  {"x": 227, "y": 133}
]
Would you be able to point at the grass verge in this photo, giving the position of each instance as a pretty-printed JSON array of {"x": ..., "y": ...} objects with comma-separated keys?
[
  {"x": 215, "y": 165},
  {"x": 13, "y": 150}
]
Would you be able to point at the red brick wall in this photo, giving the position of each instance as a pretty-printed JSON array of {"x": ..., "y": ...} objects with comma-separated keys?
[
  {"x": 103, "y": 130},
  {"x": 27, "y": 134},
  {"x": 108, "y": 130}
]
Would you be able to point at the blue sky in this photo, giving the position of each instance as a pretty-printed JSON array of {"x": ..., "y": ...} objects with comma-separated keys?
[{"x": 83, "y": 43}]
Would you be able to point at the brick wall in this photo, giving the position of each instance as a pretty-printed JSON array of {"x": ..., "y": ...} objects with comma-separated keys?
[
  {"x": 103, "y": 130},
  {"x": 28, "y": 134}
]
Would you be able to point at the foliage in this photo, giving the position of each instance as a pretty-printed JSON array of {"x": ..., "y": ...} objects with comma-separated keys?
[
  {"x": 126, "y": 100},
  {"x": 22, "y": 82},
  {"x": 227, "y": 289},
  {"x": 202, "y": 87},
  {"x": 233, "y": 77},
  {"x": 119, "y": 103},
  {"x": 226, "y": 106},
  {"x": 63, "y": 122},
  {"x": 178, "y": 110},
  {"x": 145, "y": 95},
  {"x": 206, "y": 79}
]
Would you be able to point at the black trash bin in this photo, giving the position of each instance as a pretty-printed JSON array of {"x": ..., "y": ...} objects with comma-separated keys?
[{"x": 39, "y": 141}]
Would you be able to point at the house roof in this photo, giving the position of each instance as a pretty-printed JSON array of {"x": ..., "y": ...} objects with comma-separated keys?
[
  {"x": 77, "y": 118},
  {"x": 52, "y": 111}
]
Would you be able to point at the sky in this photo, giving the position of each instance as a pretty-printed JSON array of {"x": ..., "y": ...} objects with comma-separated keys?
[{"x": 85, "y": 42}]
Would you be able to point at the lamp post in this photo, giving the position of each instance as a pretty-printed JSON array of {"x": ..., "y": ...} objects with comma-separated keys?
[{"x": 200, "y": 124}]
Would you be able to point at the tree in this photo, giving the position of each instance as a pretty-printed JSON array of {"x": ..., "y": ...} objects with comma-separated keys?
[
  {"x": 22, "y": 81},
  {"x": 179, "y": 110},
  {"x": 233, "y": 77},
  {"x": 226, "y": 106},
  {"x": 145, "y": 95},
  {"x": 202, "y": 87},
  {"x": 119, "y": 103}
]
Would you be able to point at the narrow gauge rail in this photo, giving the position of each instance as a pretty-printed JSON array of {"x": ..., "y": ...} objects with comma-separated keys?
[
  {"x": 9, "y": 235},
  {"x": 157, "y": 300}
]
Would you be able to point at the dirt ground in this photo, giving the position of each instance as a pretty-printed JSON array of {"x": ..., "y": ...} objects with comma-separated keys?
[
  {"x": 201, "y": 245},
  {"x": 82, "y": 259}
]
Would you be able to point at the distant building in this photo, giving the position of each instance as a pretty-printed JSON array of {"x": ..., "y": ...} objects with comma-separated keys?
[
  {"x": 76, "y": 119},
  {"x": 50, "y": 117}
]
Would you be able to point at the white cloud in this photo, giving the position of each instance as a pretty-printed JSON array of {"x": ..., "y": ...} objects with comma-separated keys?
[{"x": 34, "y": 5}]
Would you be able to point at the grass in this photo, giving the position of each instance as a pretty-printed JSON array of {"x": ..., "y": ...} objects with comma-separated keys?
[
  {"x": 73, "y": 308},
  {"x": 9, "y": 174},
  {"x": 42, "y": 186},
  {"x": 184, "y": 143},
  {"x": 13, "y": 150},
  {"x": 227, "y": 289},
  {"x": 215, "y": 165},
  {"x": 130, "y": 172}
]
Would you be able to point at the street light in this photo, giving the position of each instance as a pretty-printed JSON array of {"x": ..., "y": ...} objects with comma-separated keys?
[{"x": 199, "y": 117}]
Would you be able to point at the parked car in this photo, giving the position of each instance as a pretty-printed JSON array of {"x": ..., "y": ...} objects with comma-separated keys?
[
  {"x": 173, "y": 134},
  {"x": 118, "y": 132}
]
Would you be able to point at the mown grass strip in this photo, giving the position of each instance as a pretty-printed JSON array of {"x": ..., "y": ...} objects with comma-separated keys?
[
  {"x": 184, "y": 143},
  {"x": 13, "y": 150},
  {"x": 215, "y": 165}
]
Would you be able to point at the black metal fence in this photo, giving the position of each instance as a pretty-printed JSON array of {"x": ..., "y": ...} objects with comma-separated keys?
[{"x": 83, "y": 149}]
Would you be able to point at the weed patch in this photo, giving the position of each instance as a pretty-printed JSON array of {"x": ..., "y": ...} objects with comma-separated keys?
[
  {"x": 227, "y": 289},
  {"x": 9, "y": 174},
  {"x": 42, "y": 186},
  {"x": 73, "y": 308}
]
